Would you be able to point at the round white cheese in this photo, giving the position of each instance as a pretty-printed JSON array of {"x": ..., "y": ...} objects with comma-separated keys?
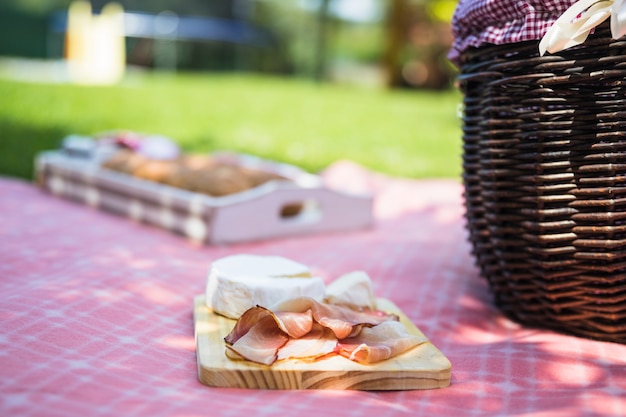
[
  {"x": 239, "y": 282},
  {"x": 354, "y": 288}
]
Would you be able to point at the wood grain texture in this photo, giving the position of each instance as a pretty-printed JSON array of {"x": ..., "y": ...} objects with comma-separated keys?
[{"x": 423, "y": 367}]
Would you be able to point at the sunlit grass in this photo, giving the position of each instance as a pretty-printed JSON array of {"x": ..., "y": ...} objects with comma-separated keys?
[{"x": 406, "y": 133}]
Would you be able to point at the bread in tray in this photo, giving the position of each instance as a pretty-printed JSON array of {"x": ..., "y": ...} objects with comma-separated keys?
[{"x": 198, "y": 173}]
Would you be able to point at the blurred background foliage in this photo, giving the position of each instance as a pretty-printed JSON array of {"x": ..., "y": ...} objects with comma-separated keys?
[
  {"x": 366, "y": 80},
  {"x": 400, "y": 43}
]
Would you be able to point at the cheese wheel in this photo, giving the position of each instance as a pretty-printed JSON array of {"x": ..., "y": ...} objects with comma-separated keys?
[
  {"x": 354, "y": 288},
  {"x": 239, "y": 282}
]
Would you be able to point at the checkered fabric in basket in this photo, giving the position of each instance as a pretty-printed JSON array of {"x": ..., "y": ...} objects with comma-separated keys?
[{"x": 479, "y": 22}]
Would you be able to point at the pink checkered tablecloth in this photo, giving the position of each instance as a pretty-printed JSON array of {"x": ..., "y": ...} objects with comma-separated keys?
[{"x": 96, "y": 316}]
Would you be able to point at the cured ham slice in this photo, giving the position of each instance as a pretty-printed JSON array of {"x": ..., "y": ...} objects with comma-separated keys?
[
  {"x": 378, "y": 343},
  {"x": 261, "y": 342},
  {"x": 304, "y": 328},
  {"x": 320, "y": 341},
  {"x": 294, "y": 324},
  {"x": 342, "y": 320}
]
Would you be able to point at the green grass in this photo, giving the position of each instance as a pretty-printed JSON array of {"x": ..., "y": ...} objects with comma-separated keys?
[{"x": 401, "y": 133}]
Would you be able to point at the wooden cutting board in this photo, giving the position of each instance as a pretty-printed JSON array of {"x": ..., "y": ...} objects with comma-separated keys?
[{"x": 422, "y": 367}]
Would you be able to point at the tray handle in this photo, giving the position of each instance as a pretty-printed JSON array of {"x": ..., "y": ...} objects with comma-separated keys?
[{"x": 282, "y": 209}]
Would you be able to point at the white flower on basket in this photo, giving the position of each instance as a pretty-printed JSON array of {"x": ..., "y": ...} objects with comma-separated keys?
[{"x": 573, "y": 27}]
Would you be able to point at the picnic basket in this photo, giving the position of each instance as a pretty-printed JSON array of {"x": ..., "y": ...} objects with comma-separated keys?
[{"x": 544, "y": 174}]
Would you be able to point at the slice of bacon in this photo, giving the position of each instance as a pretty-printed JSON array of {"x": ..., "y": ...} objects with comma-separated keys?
[{"x": 378, "y": 343}]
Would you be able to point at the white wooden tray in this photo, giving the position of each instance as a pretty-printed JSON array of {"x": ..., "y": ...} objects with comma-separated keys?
[{"x": 254, "y": 214}]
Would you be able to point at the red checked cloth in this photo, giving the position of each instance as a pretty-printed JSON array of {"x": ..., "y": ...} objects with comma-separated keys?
[
  {"x": 479, "y": 22},
  {"x": 96, "y": 317}
]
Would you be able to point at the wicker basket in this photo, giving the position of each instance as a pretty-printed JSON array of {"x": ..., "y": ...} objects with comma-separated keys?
[{"x": 545, "y": 181}]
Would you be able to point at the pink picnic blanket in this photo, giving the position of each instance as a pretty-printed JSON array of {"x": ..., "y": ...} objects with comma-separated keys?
[{"x": 97, "y": 315}]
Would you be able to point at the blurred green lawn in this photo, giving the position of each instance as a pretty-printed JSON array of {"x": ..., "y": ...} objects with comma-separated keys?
[{"x": 412, "y": 134}]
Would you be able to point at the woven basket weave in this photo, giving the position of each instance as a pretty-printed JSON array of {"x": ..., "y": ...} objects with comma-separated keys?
[{"x": 545, "y": 181}]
